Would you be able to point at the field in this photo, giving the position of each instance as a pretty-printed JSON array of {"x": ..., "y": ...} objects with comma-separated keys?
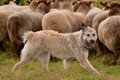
[{"x": 33, "y": 71}]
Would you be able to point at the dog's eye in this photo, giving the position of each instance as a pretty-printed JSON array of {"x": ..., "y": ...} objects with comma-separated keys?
[
  {"x": 93, "y": 34},
  {"x": 88, "y": 35}
]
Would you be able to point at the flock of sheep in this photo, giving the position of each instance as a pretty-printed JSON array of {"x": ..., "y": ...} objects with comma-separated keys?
[{"x": 63, "y": 16}]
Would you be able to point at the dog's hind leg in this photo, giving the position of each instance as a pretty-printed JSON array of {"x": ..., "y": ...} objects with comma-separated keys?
[
  {"x": 66, "y": 63},
  {"x": 86, "y": 64},
  {"x": 23, "y": 61},
  {"x": 45, "y": 57}
]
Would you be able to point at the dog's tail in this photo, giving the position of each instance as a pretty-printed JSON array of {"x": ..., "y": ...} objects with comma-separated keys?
[{"x": 27, "y": 35}]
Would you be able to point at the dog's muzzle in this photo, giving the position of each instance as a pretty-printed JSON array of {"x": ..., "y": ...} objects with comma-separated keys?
[{"x": 92, "y": 43}]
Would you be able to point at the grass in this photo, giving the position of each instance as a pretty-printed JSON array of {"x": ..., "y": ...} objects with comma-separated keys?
[{"x": 33, "y": 70}]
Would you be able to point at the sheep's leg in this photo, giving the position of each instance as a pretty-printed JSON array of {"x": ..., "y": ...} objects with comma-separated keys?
[
  {"x": 25, "y": 60},
  {"x": 97, "y": 47},
  {"x": 45, "y": 57},
  {"x": 19, "y": 48},
  {"x": 1, "y": 46},
  {"x": 66, "y": 63},
  {"x": 86, "y": 64},
  {"x": 115, "y": 57},
  {"x": 101, "y": 48},
  {"x": 15, "y": 46}
]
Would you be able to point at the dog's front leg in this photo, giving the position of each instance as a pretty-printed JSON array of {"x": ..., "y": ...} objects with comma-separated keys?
[
  {"x": 45, "y": 57},
  {"x": 83, "y": 60}
]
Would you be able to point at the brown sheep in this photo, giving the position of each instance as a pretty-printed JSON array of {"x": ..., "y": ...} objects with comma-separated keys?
[
  {"x": 20, "y": 22},
  {"x": 64, "y": 20},
  {"x": 75, "y": 6},
  {"x": 101, "y": 16},
  {"x": 105, "y": 5},
  {"x": 55, "y": 5},
  {"x": 109, "y": 30},
  {"x": 100, "y": 48}
]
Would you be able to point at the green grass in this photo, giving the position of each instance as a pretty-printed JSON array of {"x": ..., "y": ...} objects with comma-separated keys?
[{"x": 33, "y": 70}]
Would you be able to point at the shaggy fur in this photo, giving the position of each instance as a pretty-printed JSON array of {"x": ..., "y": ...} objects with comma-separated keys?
[{"x": 39, "y": 45}]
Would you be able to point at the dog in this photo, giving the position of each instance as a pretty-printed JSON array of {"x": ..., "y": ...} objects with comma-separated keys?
[{"x": 41, "y": 44}]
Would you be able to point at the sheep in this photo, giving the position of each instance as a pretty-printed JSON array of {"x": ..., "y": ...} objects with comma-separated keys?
[
  {"x": 90, "y": 15},
  {"x": 100, "y": 48},
  {"x": 63, "y": 20},
  {"x": 76, "y": 4},
  {"x": 51, "y": 20},
  {"x": 109, "y": 30},
  {"x": 82, "y": 11},
  {"x": 4, "y": 14},
  {"x": 20, "y": 22},
  {"x": 101, "y": 16}
]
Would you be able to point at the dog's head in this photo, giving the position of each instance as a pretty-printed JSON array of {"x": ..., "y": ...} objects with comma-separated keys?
[{"x": 89, "y": 36}]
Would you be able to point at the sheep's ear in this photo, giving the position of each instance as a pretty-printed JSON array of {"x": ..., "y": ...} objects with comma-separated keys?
[
  {"x": 102, "y": 3},
  {"x": 84, "y": 26}
]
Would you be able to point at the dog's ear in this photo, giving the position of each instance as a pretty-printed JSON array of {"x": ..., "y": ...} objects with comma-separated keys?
[{"x": 84, "y": 26}]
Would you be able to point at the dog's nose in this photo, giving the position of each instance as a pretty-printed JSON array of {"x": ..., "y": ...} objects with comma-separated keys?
[{"x": 92, "y": 41}]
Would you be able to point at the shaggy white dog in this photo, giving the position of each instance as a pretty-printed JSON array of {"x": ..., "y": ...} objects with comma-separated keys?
[{"x": 39, "y": 45}]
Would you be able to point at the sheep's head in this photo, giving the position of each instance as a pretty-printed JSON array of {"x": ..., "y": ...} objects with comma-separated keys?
[
  {"x": 105, "y": 4},
  {"x": 75, "y": 5},
  {"x": 85, "y": 5},
  {"x": 55, "y": 4},
  {"x": 88, "y": 3},
  {"x": 113, "y": 4},
  {"x": 114, "y": 8}
]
